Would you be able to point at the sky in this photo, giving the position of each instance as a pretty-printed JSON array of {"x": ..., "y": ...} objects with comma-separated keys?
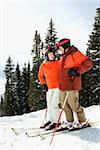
[{"x": 19, "y": 19}]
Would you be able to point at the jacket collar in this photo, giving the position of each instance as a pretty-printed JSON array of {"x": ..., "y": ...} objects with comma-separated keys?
[{"x": 70, "y": 50}]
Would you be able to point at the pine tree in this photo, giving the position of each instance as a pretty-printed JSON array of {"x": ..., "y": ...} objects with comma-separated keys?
[
  {"x": 35, "y": 93},
  {"x": 90, "y": 93},
  {"x": 36, "y": 100},
  {"x": 9, "y": 100},
  {"x": 28, "y": 76},
  {"x": 17, "y": 89},
  {"x": 37, "y": 96},
  {"x": 9, "y": 69},
  {"x": 28, "y": 73},
  {"x": 1, "y": 106},
  {"x": 24, "y": 85},
  {"x": 36, "y": 46},
  {"x": 51, "y": 36},
  {"x": 32, "y": 100}
]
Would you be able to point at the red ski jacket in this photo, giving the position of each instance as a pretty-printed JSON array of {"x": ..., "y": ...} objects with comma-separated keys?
[{"x": 73, "y": 58}]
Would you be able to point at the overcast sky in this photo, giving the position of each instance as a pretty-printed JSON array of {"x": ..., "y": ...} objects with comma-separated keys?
[{"x": 20, "y": 18}]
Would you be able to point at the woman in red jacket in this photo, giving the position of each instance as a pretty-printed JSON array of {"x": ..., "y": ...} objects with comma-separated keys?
[
  {"x": 72, "y": 65},
  {"x": 48, "y": 76}
]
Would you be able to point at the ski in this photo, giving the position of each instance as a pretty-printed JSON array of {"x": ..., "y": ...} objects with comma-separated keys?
[
  {"x": 45, "y": 133},
  {"x": 49, "y": 132},
  {"x": 66, "y": 130},
  {"x": 18, "y": 131},
  {"x": 62, "y": 130},
  {"x": 37, "y": 133},
  {"x": 84, "y": 126},
  {"x": 15, "y": 132}
]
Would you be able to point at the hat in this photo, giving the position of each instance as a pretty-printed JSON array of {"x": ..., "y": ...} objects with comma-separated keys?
[
  {"x": 62, "y": 42},
  {"x": 49, "y": 50}
]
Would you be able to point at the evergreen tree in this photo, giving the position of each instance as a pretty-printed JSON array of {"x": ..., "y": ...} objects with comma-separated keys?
[
  {"x": 35, "y": 93},
  {"x": 28, "y": 73},
  {"x": 24, "y": 85},
  {"x": 37, "y": 97},
  {"x": 17, "y": 89},
  {"x": 1, "y": 106},
  {"x": 9, "y": 100},
  {"x": 36, "y": 46},
  {"x": 9, "y": 69},
  {"x": 91, "y": 80},
  {"x": 32, "y": 100},
  {"x": 1, "y": 100},
  {"x": 51, "y": 36}
]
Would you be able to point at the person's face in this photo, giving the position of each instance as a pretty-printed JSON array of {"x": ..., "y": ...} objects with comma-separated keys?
[
  {"x": 61, "y": 50},
  {"x": 51, "y": 56}
]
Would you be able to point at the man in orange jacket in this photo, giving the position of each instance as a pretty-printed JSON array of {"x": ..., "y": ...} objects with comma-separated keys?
[
  {"x": 48, "y": 76},
  {"x": 72, "y": 65}
]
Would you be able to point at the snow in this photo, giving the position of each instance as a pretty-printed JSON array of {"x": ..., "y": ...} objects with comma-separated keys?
[{"x": 86, "y": 139}]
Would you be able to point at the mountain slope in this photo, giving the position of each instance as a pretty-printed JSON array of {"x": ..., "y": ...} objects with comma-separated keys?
[{"x": 86, "y": 139}]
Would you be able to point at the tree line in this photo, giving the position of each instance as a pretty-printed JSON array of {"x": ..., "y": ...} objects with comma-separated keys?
[{"x": 23, "y": 92}]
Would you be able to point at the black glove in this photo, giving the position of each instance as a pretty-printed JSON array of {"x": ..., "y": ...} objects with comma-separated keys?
[
  {"x": 45, "y": 87},
  {"x": 73, "y": 72},
  {"x": 59, "y": 105}
]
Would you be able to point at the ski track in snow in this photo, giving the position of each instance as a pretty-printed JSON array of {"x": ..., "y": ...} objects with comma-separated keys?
[{"x": 86, "y": 139}]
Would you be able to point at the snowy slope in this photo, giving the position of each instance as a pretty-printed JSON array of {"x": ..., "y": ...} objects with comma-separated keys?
[{"x": 86, "y": 139}]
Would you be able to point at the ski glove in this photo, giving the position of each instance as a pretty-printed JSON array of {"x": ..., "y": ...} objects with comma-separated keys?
[
  {"x": 73, "y": 72},
  {"x": 59, "y": 105},
  {"x": 45, "y": 87}
]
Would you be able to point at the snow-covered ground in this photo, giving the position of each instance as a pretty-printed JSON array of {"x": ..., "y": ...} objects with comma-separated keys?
[{"x": 86, "y": 139}]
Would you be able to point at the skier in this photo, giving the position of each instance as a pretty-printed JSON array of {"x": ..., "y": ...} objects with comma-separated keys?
[
  {"x": 48, "y": 76},
  {"x": 72, "y": 65}
]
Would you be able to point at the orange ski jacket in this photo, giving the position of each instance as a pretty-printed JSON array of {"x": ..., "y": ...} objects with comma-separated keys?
[{"x": 49, "y": 74}]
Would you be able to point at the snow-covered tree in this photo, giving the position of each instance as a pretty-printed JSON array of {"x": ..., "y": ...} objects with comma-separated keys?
[
  {"x": 91, "y": 87},
  {"x": 9, "y": 69},
  {"x": 24, "y": 85},
  {"x": 9, "y": 100},
  {"x": 51, "y": 36},
  {"x": 34, "y": 100},
  {"x": 17, "y": 90},
  {"x": 36, "y": 48}
]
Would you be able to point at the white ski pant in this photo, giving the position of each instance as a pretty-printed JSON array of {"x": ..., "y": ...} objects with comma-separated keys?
[{"x": 52, "y": 97}]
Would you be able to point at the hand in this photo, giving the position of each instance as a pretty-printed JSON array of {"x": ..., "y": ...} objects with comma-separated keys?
[
  {"x": 45, "y": 87},
  {"x": 59, "y": 105},
  {"x": 73, "y": 72}
]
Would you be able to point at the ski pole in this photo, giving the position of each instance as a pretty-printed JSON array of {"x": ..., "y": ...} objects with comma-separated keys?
[
  {"x": 61, "y": 110},
  {"x": 59, "y": 117}
]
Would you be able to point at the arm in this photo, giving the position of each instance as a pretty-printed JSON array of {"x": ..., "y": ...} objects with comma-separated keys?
[
  {"x": 41, "y": 75},
  {"x": 85, "y": 66},
  {"x": 82, "y": 64}
]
